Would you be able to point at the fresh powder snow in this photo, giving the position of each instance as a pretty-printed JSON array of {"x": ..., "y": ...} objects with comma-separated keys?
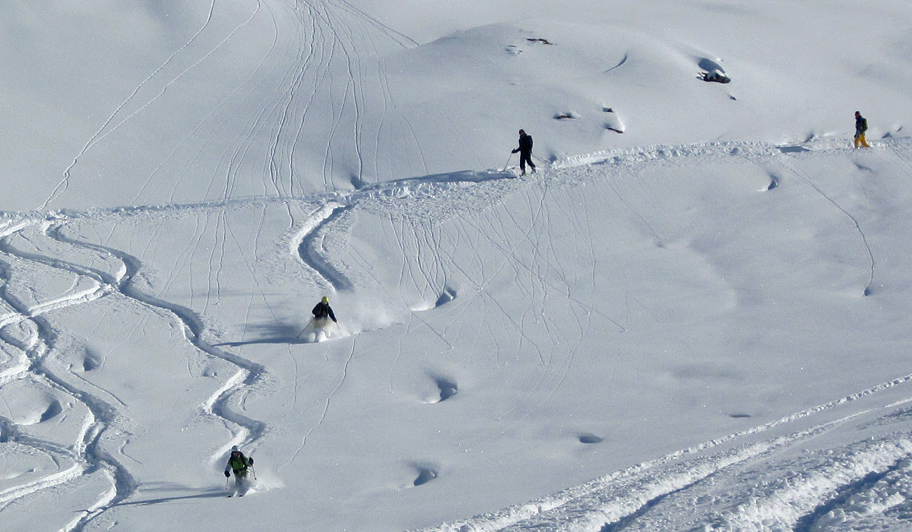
[{"x": 693, "y": 316}]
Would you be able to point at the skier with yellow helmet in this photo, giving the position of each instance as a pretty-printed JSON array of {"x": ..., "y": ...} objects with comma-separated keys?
[{"x": 323, "y": 311}]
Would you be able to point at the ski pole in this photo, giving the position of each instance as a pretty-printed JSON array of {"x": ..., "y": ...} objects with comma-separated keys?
[
  {"x": 304, "y": 329},
  {"x": 508, "y": 163},
  {"x": 254, "y": 471}
]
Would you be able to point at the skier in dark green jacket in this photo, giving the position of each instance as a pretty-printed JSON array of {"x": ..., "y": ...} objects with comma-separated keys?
[{"x": 238, "y": 463}]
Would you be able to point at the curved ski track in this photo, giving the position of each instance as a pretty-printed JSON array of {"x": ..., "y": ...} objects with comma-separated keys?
[
  {"x": 327, "y": 39},
  {"x": 104, "y": 413},
  {"x": 612, "y": 503}
]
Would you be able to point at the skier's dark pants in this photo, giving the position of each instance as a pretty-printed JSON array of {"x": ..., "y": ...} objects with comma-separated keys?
[{"x": 525, "y": 157}]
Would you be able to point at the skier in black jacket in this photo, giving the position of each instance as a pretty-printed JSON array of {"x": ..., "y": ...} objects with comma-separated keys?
[
  {"x": 323, "y": 311},
  {"x": 525, "y": 152},
  {"x": 861, "y": 126}
]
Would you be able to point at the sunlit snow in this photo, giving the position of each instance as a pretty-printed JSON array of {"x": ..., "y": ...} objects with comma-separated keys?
[{"x": 693, "y": 316}]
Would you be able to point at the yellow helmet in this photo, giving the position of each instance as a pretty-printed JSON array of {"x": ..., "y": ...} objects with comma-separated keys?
[{"x": 325, "y": 299}]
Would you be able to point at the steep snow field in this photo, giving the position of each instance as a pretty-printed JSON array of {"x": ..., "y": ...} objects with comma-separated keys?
[{"x": 692, "y": 317}]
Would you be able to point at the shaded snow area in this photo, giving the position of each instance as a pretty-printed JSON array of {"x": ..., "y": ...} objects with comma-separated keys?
[{"x": 693, "y": 316}]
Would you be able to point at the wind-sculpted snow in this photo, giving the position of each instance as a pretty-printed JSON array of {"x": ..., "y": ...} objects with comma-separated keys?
[{"x": 478, "y": 336}]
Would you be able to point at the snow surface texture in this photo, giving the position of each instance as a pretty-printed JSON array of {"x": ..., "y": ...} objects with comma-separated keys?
[{"x": 694, "y": 315}]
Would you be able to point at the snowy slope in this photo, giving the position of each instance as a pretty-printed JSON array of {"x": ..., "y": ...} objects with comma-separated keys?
[
  {"x": 697, "y": 323},
  {"x": 188, "y": 102}
]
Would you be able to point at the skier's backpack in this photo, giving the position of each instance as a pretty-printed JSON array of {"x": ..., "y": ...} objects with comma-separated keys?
[{"x": 864, "y": 125}]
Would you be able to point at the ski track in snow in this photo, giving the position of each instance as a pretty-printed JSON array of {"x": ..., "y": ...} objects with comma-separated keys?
[
  {"x": 618, "y": 501},
  {"x": 86, "y": 454},
  {"x": 110, "y": 126},
  {"x": 312, "y": 246},
  {"x": 105, "y": 414}
]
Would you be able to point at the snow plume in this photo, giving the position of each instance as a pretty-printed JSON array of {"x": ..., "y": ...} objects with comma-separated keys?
[{"x": 365, "y": 311}]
